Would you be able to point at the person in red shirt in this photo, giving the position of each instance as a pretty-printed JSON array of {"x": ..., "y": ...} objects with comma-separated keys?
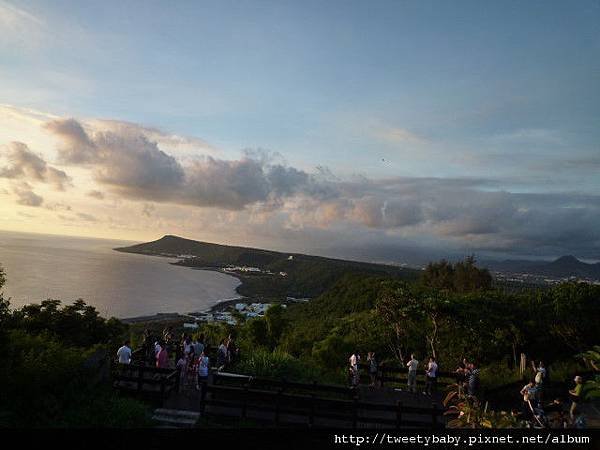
[{"x": 162, "y": 358}]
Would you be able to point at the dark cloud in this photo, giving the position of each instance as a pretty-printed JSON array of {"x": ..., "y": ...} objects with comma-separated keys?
[
  {"x": 77, "y": 147},
  {"x": 87, "y": 217},
  {"x": 148, "y": 209},
  {"x": 135, "y": 167},
  {"x": 464, "y": 213},
  {"x": 26, "y": 196},
  {"x": 23, "y": 164},
  {"x": 96, "y": 194}
]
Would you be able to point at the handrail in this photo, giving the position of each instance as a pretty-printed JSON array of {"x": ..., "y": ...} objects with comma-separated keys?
[{"x": 306, "y": 405}]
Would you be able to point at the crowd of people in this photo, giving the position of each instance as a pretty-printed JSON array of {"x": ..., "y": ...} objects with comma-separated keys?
[
  {"x": 431, "y": 373},
  {"x": 193, "y": 362},
  {"x": 467, "y": 378},
  {"x": 536, "y": 411},
  {"x": 191, "y": 354},
  {"x": 533, "y": 411}
]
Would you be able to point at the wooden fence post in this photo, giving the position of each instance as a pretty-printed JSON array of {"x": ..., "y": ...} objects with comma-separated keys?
[
  {"x": 203, "y": 386},
  {"x": 245, "y": 402},
  {"x": 178, "y": 380},
  {"x": 277, "y": 405},
  {"x": 140, "y": 379},
  {"x": 311, "y": 417},
  {"x": 398, "y": 414},
  {"x": 355, "y": 412},
  {"x": 163, "y": 385},
  {"x": 434, "y": 415}
]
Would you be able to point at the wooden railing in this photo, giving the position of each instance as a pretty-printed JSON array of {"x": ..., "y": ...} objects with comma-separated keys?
[
  {"x": 145, "y": 380},
  {"x": 278, "y": 407},
  {"x": 387, "y": 375},
  {"x": 268, "y": 384}
]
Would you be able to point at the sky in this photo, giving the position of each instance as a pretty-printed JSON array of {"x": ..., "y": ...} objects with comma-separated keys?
[{"x": 374, "y": 130}]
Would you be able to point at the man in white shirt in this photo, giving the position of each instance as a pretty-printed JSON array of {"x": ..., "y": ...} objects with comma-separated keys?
[
  {"x": 354, "y": 361},
  {"x": 124, "y": 353},
  {"x": 203, "y": 369},
  {"x": 412, "y": 365}
]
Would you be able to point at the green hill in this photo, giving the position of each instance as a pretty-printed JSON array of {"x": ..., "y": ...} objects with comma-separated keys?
[{"x": 305, "y": 275}]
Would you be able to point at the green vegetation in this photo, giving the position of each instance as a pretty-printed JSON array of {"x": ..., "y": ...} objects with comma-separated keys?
[
  {"x": 591, "y": 388},
  {"x": 451, "y": 312},
  {"x": 54, "y": 369}
]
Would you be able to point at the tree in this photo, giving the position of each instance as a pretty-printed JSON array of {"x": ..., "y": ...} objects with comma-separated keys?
[
  {"x": 463, "y": 276},
  {"x": 276, "y": 323},
  {"x": 434, "y": 306},
  {"x": 571, "y": 305},
  {"x": 399, "y": 309},
  {"x": 255, "y": 333},
  {"x": 4, "y": 308}
]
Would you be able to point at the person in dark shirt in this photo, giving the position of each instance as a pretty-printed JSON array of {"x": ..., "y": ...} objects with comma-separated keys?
[
  {"x": 473, "y": 380},
  {"x": 462, "y": 373}
]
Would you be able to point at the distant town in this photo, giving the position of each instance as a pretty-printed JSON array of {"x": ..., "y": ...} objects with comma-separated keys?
[{"x": 530, "y": 278}]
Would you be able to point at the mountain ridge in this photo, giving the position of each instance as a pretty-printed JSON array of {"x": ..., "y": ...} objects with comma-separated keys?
[
  {"x": 562, "y": 267},
  {"x": 281, "y": 274}
]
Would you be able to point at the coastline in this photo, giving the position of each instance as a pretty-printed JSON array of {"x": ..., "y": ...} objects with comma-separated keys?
[{"x": 218, "y": 306}]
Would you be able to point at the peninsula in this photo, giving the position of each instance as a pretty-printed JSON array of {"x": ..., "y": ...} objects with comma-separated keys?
[{"x": 266, "y": 274}]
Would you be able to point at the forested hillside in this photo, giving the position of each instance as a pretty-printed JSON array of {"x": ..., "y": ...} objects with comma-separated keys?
[{"x": 305, "y": 275}]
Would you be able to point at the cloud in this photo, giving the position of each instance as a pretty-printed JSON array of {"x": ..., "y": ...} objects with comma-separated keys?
[
  {"x": 26, "y": 196},
  {"x": 96, "y": 194},
  {"x": 398, "y": 135},
  {"x": 148, "y": 209},
  {"x": 131, "y": 165},
  {"x": 259, "y": 192},
  {"x": 87, "y": 217},
  {"x": 17, "y": 20},
  {"x": 77, "y": 148},
  {"x": 537, "y": 136},
  {"x": 23, "y": 164}
]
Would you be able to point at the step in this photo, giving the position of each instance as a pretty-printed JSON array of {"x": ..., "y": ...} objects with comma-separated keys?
[
  {"x": 177, "y": 413},
  {"x": 175, "y": 420}
]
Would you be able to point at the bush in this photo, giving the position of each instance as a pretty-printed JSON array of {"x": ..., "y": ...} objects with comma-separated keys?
[
  {"x": 278, "y": 365},
  {"x": 46, "y": 383}
]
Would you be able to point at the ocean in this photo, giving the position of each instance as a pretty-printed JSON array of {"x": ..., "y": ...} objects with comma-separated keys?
[{"x": 118, "y": 284}]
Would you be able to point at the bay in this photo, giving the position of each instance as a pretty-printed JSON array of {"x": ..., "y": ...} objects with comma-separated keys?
[{"x": 118, "y": 284}]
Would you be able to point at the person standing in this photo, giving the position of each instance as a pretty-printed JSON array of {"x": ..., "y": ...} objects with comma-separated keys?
[
  {"x": 124, "y": 353},
  {"x": 528, "y": 392},
  {"x": 162, "y": 358},
  {"x": 203, "y": 368},
  {"x": 198, "y": 346},
  {"x": 431, "y": 376},
  {"x": 373, "y": 367},
  {"x": 182, "y": 366},
  {"x": 540, "y": 378},
  {"x": 187, "y": 346},
  {"x": 222, "y": 356},
  {"x": 354, "y": 362},
  {"x": 461, "y": 375},
  {"x": 232, "y": 350},
  {"x": 575, "y": 394},
  {"x": 473, "y": 380},
  {"x": 412, "y": 365}
]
